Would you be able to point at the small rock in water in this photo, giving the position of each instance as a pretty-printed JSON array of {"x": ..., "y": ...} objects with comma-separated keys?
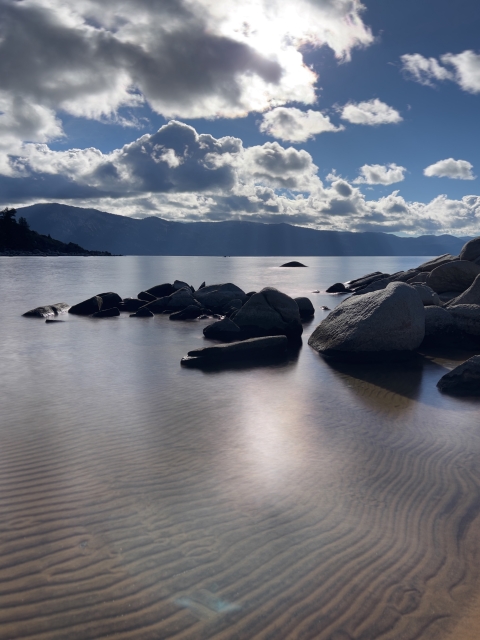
[
  {"x": 106, "y": 313},
  {"x": 143, "y": 312},
  {"x": 48, "y": 310},
  {"x": 316, "y": 291},
  {"x": 464, "y": 380},
  {"x": 324, "y": 308},
  {"x": 252, "y": 350},
  {"x": 293, "y": 263},
  {"x": 53, "y": 320},
  {"x": 338, "y": 287}
]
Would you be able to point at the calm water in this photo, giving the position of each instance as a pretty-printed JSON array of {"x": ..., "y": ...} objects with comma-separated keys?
[{"x": 141, "y": 500}]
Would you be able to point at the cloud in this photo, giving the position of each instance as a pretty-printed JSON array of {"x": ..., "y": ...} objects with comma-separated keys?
[
  {"x": 294, "y": 125},
  {"x": 372, "y": 113},
  {"x": 450, "y": 168},
  {"x": 464, "y": 71},
  {"x": 380, "y": 174}
]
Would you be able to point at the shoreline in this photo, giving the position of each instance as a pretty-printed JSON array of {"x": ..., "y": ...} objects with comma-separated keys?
[{"x": 52, "y": 254}]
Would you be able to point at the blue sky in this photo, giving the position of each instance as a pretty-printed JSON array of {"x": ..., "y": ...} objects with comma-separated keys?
[{"x": 326, "y": 113}]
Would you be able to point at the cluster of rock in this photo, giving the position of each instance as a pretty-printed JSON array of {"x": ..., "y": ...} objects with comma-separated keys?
[{"x": 436, "y": 304}]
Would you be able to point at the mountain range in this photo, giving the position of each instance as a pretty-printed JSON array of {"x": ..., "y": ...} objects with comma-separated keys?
[{"x": 101, "y": 231}]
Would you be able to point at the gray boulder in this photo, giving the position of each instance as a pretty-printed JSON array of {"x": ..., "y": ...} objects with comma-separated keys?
[
  {"x": 364, "y": 281},
  {"x": 254, "y": 349},
  {"x": 470, "y": 296},
  {"x": 464, "y": 380},
  {"x": 224, "y": 330},
  {"x": 428, "y": 296},
  {"x": 218, "y": 296},
  {"x": 192, "y": 312},
  {"x": 467, "y": 318},
  {"x": 47, "y": 310},
  {"x": 305, "y": 307},
  {"x": 268, "y": 313},
  {"x": 430, "y": 265},
  {"x": 471, "y": 250},
  {"x": 383, "y": 322},
  {"x": 106, "y": 313},
  {"x": 453, "y": 276},
  {"x": 87, "y": 307},
  {"x": 109, "y": 299},
  {"x": 421, "y": 278},
  {"x": 447, "y": 296},
  {"x": 161, "y": 290}
]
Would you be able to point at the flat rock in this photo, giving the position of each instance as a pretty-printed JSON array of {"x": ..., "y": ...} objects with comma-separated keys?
[
  {"x": 47, "y": 310},
  {"x": 430, "y": 265},
  {"x": 390, "y": 321},
  {"x": 428, "y": 295},
  {"x": 253, "y": 349},
  {"x": 471, "y": 250},
  {"x": 464, "y": 380},
  {"x": 453, "y": 276},
  {"x": 270, "y": 312},
  {"x": 293, "y": 263},
  {"x": 87, "y": 307},
  {"x": 305, "y": 307},
  {"x": 106, "y": 313},
  {"x": 225, "y": 330},
  {"x": 470, "y": 296}
]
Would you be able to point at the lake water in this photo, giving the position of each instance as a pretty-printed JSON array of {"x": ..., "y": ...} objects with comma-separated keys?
[{"x": 142, "y": 500}]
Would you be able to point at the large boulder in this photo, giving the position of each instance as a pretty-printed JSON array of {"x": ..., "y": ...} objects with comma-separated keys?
[
  {"x": 442, "y": 330},
  {"x": 109, "y": 300},
  {"x": 253, "y": 349},
  {"x": 470, "y": 296},
  {"x": 428, "y": 296},
  {"x": 364, "y": 281},
  {"x": 453, "y": 276},
  {"x": 132, "y": 304},
  {"x": 47, "y": 310},
  {"x": 467, "y": 318},
  {"x": 225, "y": 330},
  {"x": 217, "y": 296},
  {"x": 390, "y": 321},
  {"x": 111, "y": 312},
  {"x": 161, "y": 290},
  {"x": 87, "y": 307},
  {"x": 179, "y": 284},
  {"x": 471, "y": 250},
  {"x": 421, "y": 278},
  {"x": 430, "y": 265},
  {"x": 146, "y": 296},
  {"x": 464, "y": 380},
  {"x": 268, "y": 313},
  {"x": 305, "y": 307}
]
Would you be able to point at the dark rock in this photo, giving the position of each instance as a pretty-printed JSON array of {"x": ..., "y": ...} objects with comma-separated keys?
[
  {"x": 217, "y": 296},
  {"x": 390, "y": 321},
  {"x": 201, "y": 286},
  {"x": 470, "y": 296},
  {"x": 268, "y": 313},
  {"x": 106, "y": 313},
  {"x": 255, "y": 349},
  {"x": 87, "y": 307},
  {"x": 428, "y": 296},
  {"x": 225, "y": 330},
  {"x": 293, "y": 263},
  {"x": 143, "y": 312},
  {"x": 464, "y": 380},
  {"x": 324, "y": 308},
  {"x": 421, "y": 278},
  {"x": 471, "y": 250},
  {"x": 109, "y": 299},
  {"x": 250, "y": 294},
  {"x": 47, "y": 310},
  {"x": 467, "y": 318},
  {"x": 132, "y": 304},
  {"x": 305, "y": 307},
  {"x": 437, "y": 262},
  {"x": 145, "y": 296},
  {"x": 161, "y": 290},
  {"x": 179, "y": 300},
  {"x": 50, "y": 320},
  {"x": 364, "y": 280},
  {"x": 179, "y": 284},
  {"x": 447, "y": 296},
  {"x": 338, "y": 287},
  {"x": 453, "y": 276},
  {"x": 189, "y": 313}
]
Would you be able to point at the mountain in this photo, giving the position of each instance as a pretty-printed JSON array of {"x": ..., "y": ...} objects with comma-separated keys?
[{"x": 98, "y": 230}]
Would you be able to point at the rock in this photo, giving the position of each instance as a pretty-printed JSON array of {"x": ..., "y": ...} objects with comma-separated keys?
[
  {"x": 447, "y": 296},
  {"x": 405, "y": 276},
  {"x": 179, "y": 284},
  {"x": 428, "y": 296},
  {"x": 109, "y": 299},
  {"x": 50, "y": 320},
  {"x": 467, "y": 318},
  {"x": 253, "y": 349},
  {"x": 378, "y": 285},
  {"x": 268, "y": 313},
  {"x": 225, "y": 330},
  {"x": 106, "y": 313},
  {"x": 179, "y": 300},
  {"x": 161, "y": 290},
  {"x": 464, "y": 380},
  {"x": 365, "y": 280},
  {"x": 470, "y": 296},
  {"x": 471, "y": 250},
  {"x": 235, "y": 304},
  {"x": 440, "y": 328},
  {"x": 293, "y": 263},
  {"x": 87, "y": 307},
  {"x": 390, "y": 321},
  {"x": 453, "y": 276},
  {"x": 189, "y": 313},
  {"x": 145, "y": 296},
  {"x": 421, "y": 278},
  {"x": 47, "y": 310},
  {"x": 338, "y": 287},
  {"x": 324, "y": 308},
  {"x": 305, "y": 307},
  {"x": 218, "y": 296},
  {"x": 132, "y": 304},
  {"x": 201, "y": 286},
  {"x": 430, "y": 265},
  {"x": 143, "y": 312}
]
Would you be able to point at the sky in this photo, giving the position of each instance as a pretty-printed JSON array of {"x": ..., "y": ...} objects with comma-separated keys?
[{"x": 331, "y": 114}]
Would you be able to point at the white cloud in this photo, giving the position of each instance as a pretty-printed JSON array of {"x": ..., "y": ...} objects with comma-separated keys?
[
  {"x": 380, "y": 174},
  {"x": 450, "y": 168},
  {"x": 294, "y": 125},
  {"x": 465, "y": 69},
  {"x": 372, "y": 113},
  {"x": 424, "y": 70}
]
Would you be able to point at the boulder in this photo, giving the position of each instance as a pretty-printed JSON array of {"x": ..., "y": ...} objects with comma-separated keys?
[
  {"x": 143, "y": 312},
  {"x": 179, "y": 300},
  {"x": 132, "y": 304},
  {"x": 305, "y": 307},
  {"x": 421, "y": 278},
  {"x": 471, "y": 250},
  {"x": 217, "y": 296},
  {"x": 106, "y": 313},
  {"x": 470, "y": 296},
  {"x": 109, "y": 299},
  {"x": 467, "y": 318},
  {"x": 364, "y": 281},
  {"x": 179, "y": 284},
  {"x": 47, "y": 310},
  {"x": 161, "y": 290},
  {"x": 235, "y": 304},
  {"x": 391, "y": 321},
  {"x": 224, "y": 330},
  {"x": 191, "y": 312},
  {"x": 268, "y": 313},
  {"x": 367, "y": 275},
  {"x": 447, "y": 296},
  {"x": 441, "y": 329},
  {"x": 293, "y": 263},
  {"x": 428, "y": 296},
  {"x": 87, "y": 307},
  {"x": 254, "y": 349},
  {"x": 430, "y": 265},
  {"x": 202, "y": 285},
  {"x": 145, "y": 296},
  {"x": 453, "y": 276},
  {"x": 338, "y": 287},
  {"x": 464, "y": 380}
]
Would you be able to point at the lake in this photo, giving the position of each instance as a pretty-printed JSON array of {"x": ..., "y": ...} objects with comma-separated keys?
[{"x": 304, "y": 499}]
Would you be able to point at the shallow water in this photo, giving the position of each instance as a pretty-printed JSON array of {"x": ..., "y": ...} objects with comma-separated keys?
[{"x": 141, "y": 500}]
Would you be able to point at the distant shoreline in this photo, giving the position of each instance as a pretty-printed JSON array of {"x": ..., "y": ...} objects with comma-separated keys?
[{"x": 54, "y": 254}]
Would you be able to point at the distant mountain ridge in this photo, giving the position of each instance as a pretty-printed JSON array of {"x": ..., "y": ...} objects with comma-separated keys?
[{"x": 98, "y": 230}]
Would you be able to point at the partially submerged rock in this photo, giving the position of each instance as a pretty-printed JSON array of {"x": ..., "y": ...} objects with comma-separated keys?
[
  {"x": 225, "y": 330},
  {"x": 132, "y": 304},
  {"x": 391, "y": 321},
  {"x": 338, "y": 287},
  {"x": 254, "y": 349},
  {"x": 110, "y": 299},
  {"x": 268, "y": 313},
  {"x": 87, "y": 307},
  {"x": 464, "y": 380},
  {"x": 365, "y": 280},
  {"x": 179, "y": 300},
  {"x": 293, "y": 263},
  {"x": 217, "y": 296},
  {"x": 305, "y": 307},
  {"x": 161, "y": 290},
  {"x": 192, "y": 312},
  {"x": 453, "y": 276},
  {"x": 47, "y": 310},
  {"x": 145, "y": 296},
  {"x": 143, "y": 312},
  {"x": 106, "y": 313}
]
